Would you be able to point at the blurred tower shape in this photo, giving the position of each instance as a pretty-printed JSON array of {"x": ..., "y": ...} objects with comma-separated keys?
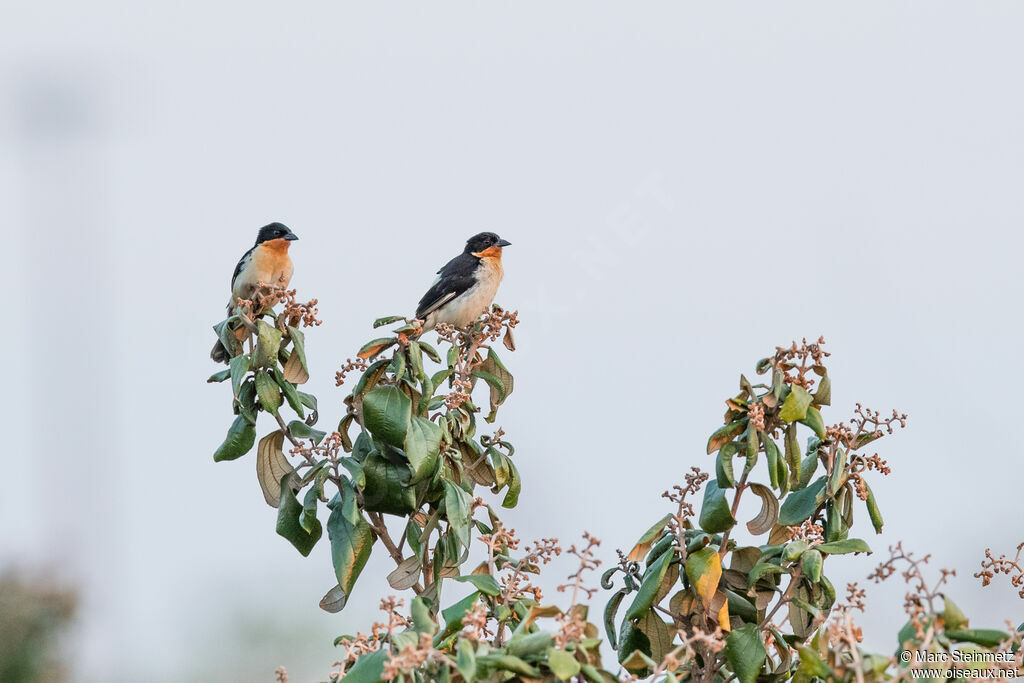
[{"x": 70, "y": 341}]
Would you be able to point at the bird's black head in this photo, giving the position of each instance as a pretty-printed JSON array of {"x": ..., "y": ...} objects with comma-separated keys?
[
  {"x": 485, "y": 244},
  {"x": 275, "y": 231}
]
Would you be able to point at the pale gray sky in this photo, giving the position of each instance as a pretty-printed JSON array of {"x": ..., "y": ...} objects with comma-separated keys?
[{"x": 684, "y": 185}]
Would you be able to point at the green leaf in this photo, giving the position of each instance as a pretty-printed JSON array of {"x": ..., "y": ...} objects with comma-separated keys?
[
  {"x": 369, "y": 668},
  {"x": 421, "y": 619},
  {"x": 239, "y": 440},
  {"x": 508, "y": 663},
  {"x": 422, "y": 445},
  {"x": 850, "y": 545},
  {"x": 288, "y": 522},
  {"x": 498, "y": 378},
  {"x": 762, "y": 569},
  {"x": 794, "y": 549},
  {"x": 563, "y": 664},
  {"x": 299, "y": 343},
  {"x": 301, "y": 430},
  {"x": 245, "y": 404},
  {"x": 430, "y": 351},
  {"x": 355, "y": 469},
  {"x": 268, "y": 392},
  {"x": 465, "y": 660},
  {"x": 458, "y": 509},
  {"x": 795, "y": 407},
  {"x": 524, "y": 644},
  {"x": 453, "y": 615},
  {"x": 771, "y": 451},
  {"x": 631, "y": 641},
  {"x": 810, "y": 562},
  {"x": 724, "y": 474},
  {"x": 291, "y": 394},
  {"x": 715, "y": 515},
  {"x": 386, "y": 413},
  {"x": 308, "y": 400},
  {"x": 649, "y": 587},
  {"x": 823, "y": 396},
  {"x": 351, "y": 543},
  {"x": 610, "y": 610},
  {"x": 953, "y": 617},
  {"x": 978, "y": 636},
  {"x": 227, "y": 336},
  {"x": 815, "y": 421},
  {"x": 752, "y": 449},
  {"x": 741, "y": 607},
  {"x": 838, "y": 477},
  {"x": 873, "y": 512},
  {"x": 745, "y": 652},
  {"x": 371, "y": 375},
  {"x": 416, "y": 359},
  {"x": 219, "y": 376},
  {"x": 308, "y": 519},
  {"x": 268, "y": 342},
  {"x": 485, "y": 583},
  {"x": 515, "y": 485},
  {"x": 238, "y": 367},
  {"x": 387, "y": 320},
  {"x": 811, "y": 664},
  {"x": 387, "y": 487},
  {"x": 793, "y": 455},
  {"x": 800, "y": 505}
]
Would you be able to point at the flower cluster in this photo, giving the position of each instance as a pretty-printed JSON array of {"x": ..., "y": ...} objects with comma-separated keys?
[
  {"x": 793, "y": 361},
  {"x": 1014, "y": 568},
  {"x": 294, "y": 313}
]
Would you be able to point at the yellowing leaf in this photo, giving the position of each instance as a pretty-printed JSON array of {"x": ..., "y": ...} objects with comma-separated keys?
[
  {"x": 371, "y": 349},
  {"x": 723, "y": 616},
  {"x": 406, "y": 574},
  {"x": 704, "y": 569},
  {"x": 271, "y": 465},
  {"x": 769, "y": 514},
  {"x": 293, "y": 370}
]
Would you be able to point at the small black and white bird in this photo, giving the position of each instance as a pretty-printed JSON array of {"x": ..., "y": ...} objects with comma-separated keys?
[
  {"x": 267, "y": 262},
  {"x": 465, "y": 287}
]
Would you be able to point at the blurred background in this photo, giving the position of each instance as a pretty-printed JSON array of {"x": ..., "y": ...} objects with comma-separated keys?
[{"x": 684, "y": 186}]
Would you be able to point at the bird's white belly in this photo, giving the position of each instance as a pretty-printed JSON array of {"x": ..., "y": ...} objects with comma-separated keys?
[{"x": 475, "y": 301}]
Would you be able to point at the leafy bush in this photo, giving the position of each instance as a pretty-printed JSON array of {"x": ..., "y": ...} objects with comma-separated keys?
[{"x": 695, "y": 602}]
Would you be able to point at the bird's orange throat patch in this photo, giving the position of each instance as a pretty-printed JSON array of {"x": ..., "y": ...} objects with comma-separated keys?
[
  {"x": 280, "y": 244},
  {"x": 489, "y": 252},
  {"x": 271, "y": 258}
]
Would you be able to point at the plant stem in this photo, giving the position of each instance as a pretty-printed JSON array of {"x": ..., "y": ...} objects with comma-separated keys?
[
  {"x": 740, "y": 486},
  {"x": 381, "y": 531}
]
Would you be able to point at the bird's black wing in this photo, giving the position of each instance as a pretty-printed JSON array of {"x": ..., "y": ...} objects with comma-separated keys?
[
  {"x": 241, "y": 263},
  {"x": 457, "y": 276}
]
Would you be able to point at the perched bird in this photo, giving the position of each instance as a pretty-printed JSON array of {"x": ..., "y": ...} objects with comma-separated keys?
[
  {"x": 465, "y": 287},
  {"x": 267, "y": 262}
]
